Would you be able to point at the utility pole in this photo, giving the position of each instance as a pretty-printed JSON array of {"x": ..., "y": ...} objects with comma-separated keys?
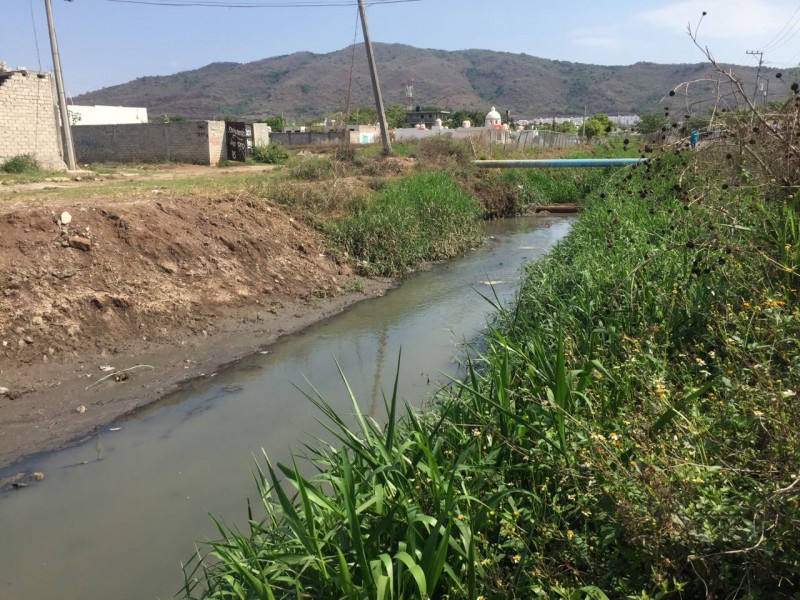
[
  {"x": 376, "y": 87},
  {"x": 758, "y": 72},
  {"x": 62, "y": 100},
  {"x": 583, "y": 135}
]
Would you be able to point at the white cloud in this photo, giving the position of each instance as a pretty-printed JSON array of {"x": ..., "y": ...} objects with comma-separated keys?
[
  {"x": 725, "y": 18},
  {"x": 596, "y": 37}
]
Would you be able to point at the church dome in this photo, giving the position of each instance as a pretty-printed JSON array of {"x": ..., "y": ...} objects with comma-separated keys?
[{"x": 492, "y": 118}]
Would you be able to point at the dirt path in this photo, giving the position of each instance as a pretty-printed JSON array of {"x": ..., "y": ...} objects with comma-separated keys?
[{"x": 184, "y": 285}]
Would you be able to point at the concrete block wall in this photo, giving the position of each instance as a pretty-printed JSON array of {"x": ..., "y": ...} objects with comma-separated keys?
[
  {"x": 28, "y": 118},
  {"x": 307, "y": 138},
  {"x": 216, "y": 142},
  {"x": 260, "y": 134},
  {"x": 197, "y": 142}
]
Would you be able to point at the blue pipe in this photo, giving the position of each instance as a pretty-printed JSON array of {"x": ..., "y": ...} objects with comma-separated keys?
[{"x": 557, "y": 162}]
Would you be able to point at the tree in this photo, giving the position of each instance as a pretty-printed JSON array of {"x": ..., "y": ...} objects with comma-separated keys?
[
  {"x": 651, "y": 122},
  {"x": 395, "y": 115},
  {"x": 363, "y": 115},
  {"x": 275, "y": 122},
  {"x": 567, "y": 127},
  {"x": 475, "y": 117},
  {"x": 598, "y": 125}
]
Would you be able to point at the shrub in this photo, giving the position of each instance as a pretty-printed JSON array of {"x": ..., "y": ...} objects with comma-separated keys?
[
  {"x": 344, "y": 152},
  {"x": 419, "y": 218},
  {"x": 313, "y": 169},
  {"x": 21, "y": 163},
  {"x": 442, "y": 149},
  {"x": 271, "y": 154}
]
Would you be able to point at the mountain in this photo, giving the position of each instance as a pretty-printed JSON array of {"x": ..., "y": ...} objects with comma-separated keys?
[{"x": 306, "y": 86}]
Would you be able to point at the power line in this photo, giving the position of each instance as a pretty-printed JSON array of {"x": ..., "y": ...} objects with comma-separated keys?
[
  {"x": 35, "y": 37},
  {"x": 783, "y": 32}
]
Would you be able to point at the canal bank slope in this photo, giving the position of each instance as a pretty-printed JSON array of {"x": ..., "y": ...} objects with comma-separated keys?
[{"x": 93, "y": 289}]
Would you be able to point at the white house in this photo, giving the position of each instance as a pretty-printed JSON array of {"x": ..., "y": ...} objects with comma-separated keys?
[{"x": 106, "y": 115}]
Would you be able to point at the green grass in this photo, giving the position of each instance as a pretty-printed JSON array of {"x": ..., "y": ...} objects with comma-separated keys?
[
  {"x": 419, "y": 218},
  {"x": 24, "y": 168}
]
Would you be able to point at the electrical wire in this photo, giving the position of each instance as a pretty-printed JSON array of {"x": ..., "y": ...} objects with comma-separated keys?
[
  {"x": 770, "y": 45},
  {"x": 352, "y": 67},
  {"x": 36, "y": 37}
]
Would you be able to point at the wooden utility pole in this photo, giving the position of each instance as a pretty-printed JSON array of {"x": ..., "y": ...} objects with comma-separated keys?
[
  {"x": 69, "y": 149},
  {"x": 376, "y": 87}
]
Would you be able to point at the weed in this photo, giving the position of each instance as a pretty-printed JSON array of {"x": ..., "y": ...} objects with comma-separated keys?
[
  {"x": 21, "y": 163},
  {"x": 313, "y": 169},
  {"x": 271, "y": 154},
  {"x": 418, "y": 218}
]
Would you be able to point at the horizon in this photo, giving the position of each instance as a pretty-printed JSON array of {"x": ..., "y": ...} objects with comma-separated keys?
[{"x": 100, "y": 44}]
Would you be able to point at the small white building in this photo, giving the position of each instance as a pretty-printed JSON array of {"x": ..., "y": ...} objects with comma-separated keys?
[
  {"x": 106, "y": 115},
  {"x": 493, "y": 130}
]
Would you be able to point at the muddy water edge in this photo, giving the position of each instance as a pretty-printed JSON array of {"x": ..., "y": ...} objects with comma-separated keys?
[{"x": 116, "y": 516}]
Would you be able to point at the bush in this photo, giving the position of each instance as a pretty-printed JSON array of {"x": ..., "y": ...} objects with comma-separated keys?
[
  {"x": 21, "y": 163},
  {"x": 271, "y": 154},
  {"x": 313, "y": 169},
  {"x": 344, "y": 152},
  {"x": 441, "y": 149},
  {"x": 419, "y": 218}
]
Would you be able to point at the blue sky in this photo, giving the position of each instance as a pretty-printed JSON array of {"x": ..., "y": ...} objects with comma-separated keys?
[{"x": 106, "y": 42}]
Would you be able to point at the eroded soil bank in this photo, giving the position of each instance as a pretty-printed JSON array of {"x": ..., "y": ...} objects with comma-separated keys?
[{"x": 184, "y": 285}]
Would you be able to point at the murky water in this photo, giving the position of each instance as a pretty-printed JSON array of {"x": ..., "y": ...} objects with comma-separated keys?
[{"x": 115, "y": 517}]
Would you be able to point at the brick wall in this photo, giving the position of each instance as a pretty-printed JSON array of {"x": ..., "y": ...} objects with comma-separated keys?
[
  {"x": 28, "y": 118},
  {"x": 198, "y": 142}
]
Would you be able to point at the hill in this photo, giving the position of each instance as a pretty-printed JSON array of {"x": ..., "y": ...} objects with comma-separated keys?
[{"x": 304, "y": 85}]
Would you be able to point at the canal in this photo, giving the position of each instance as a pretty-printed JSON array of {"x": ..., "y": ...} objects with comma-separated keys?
[{"x": 116, "y": 516}]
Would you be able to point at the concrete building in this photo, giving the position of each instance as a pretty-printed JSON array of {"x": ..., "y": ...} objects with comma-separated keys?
[
  {"x": 425, "y": 117},
  {"x": 29, "y": 122},
  {"x": 106, "y": 115}
]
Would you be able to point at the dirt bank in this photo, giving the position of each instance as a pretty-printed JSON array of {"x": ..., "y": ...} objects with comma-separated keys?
[{"x": 181, "y": 284}]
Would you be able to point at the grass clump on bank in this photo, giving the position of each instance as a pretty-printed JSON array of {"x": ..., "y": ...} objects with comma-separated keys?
[
  {"x": 414, "y": 219},
  {"x": 627, "y": 430}
]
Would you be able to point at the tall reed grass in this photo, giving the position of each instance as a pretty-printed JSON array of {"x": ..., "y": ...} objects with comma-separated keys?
[{"x": 424, "y": 217}]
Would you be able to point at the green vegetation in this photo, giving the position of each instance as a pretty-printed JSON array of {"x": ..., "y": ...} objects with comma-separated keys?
[
  {"x": 476, "y": 117},
  {"x": 627, "y": 430},
  {"x": 597, "y": 125},
  {"x": 167, "y": 118},
  {"x": 415, "y": 219},
  {"x": 313, "y": 168},
  {"x": 276, "y": 122},
  {"x": 395, "y": 116},
  {"x": 545, "y": 186},
  {"x": 271, "y": 154},
  {"x": 567, "y": 127},
  {"x": 21, "y": 163},
  {"x": 652, "y": 122}
]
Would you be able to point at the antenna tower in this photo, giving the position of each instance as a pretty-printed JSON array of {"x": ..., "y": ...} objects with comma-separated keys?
[{"x": 410, "y": 94}]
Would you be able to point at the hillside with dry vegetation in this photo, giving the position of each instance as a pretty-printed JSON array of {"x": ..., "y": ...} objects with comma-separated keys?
[{"x": 305, "y": 86}]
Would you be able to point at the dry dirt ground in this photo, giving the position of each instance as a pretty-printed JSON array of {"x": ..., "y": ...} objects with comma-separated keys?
[{"x": 185, "y": 285}]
